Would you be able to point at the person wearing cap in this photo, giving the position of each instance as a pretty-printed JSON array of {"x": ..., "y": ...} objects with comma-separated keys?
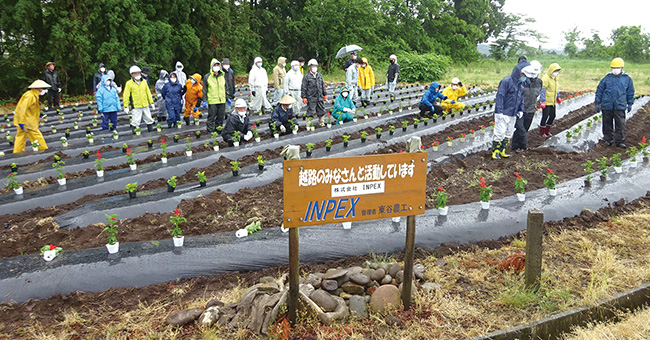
[
  {"x": 279, "y": 73},
  {"x": 532, "y": 89},
  {"x": 283, "y": 115},
  {"x": 97, "y": 78},
  {"x": 313, "y": 92},
  {"x": 615, "y": 95},
  {"x": 366, "y": 81},
  {"x": 193, "y": 97},
  {"x": 293, "y": 86},
  {"x": 259, "y": 83},
  {"x": 344, "y": 107},
  {"x": 237, "y": 121},
  {"x": 214, "y": 93},
  {"x": 549, "y": 96},
  {"x": 138, "y": 91},
  {"x": 352, "y": 79},
  {"x": 172, "y": 92},
  {"x": 453, "y": 92},
  {"x": 229, "y": 75},
  {"x": 108, "y": 102},
  {"x": 26, "y": 117},
  {"x": 391, "y": 76},
  {"x": 52, "y": 78},
  {"x": 301, "y": 60},
  {"x": 508, "y": 106},
  {"x": 349, "y": 62}
]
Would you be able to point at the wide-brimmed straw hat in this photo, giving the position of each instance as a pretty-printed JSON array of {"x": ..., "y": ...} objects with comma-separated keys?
[
  {"x": 39, "y": 84},
  {"x": 287, "y": 100},
  {"x": 50, "y": 63}
]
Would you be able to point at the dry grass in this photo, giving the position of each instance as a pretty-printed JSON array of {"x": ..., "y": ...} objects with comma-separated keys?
[{"x": 633, "y": 326}]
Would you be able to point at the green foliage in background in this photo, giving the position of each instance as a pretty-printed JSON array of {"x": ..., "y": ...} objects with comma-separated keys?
[{"x": 422, "y": 67}]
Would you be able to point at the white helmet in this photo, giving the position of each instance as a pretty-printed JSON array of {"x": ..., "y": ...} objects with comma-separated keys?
[
  {"x": 312, "y": 62},
  {"x": 134, "y": 69},
  {"x": 455, "y": 81},
  {"x": 537, "y": 67},
  {"x": 240, "y": 103}
]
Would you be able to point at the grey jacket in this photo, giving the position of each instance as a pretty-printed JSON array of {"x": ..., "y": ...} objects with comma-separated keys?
[
  {"x": 313, "y": 86},
  {"x": 532, "y": 90}
]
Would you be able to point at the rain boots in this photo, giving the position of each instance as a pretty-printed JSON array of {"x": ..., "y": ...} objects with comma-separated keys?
[
  {"x": 187, "y": 120},
  {"x": 548, "y": 131},
  {"x": 502, "y": 148},
  {"x": 495, "y": 150},
  {"x": 149, "y": 127},
  {"x": 542, "y": 131}
]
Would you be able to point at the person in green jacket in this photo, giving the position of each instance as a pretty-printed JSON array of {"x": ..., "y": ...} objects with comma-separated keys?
[
  {"x": 214, "y": 93},
  {"x": 138, "y": 91},
  {"x": 343, "y": 107}
]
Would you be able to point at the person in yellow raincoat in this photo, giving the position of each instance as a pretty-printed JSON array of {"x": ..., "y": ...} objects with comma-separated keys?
[
  {"x": 193, "y": 97},
  {"x": 26, "y": 117},
  {"x": 366, "y": 81},
  {"x": 453, "y": 92}
]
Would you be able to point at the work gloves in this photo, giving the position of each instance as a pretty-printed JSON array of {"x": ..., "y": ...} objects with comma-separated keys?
[
  {"x": 253, "y": 93},
  {"x": 22, "y": 126},
  {"x": 542, "y": 105},
  {"x": 126, "y": 110},
  {"x": 204, "y": 105},
  {"x": 520, "y": 114},
  {"x": 559, "y": 101},
  {"x": 248, "y": 136},
  {"x": 283, "y": 129},
  {"x": 304, "y": 101},
  {"x": 629, "y": 108},
  {"x": 453, "y": 102}
]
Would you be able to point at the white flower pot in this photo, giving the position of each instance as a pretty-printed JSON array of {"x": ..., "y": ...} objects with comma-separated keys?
[
  {"x": 164, "y": 160},
  {"x": 76, "y": 127},
  {"x": 19, "y": 191},
  {"x": 215, "y": 147},
  {"x": 258, "y": 139},
  {"x": 400, "y": 110},
  {"x": 91, "y": 141},
  {"x": 46, "y": 108},
  {"x": 347, "y": 225},
  {"x": 35, "y": 149},
  {"x": 378, "y": 114},
  {"x": 633, "y": 164},
  {"x": 100, "y": 173},
  {"x": 443, "y": 211},
  {"x": 116, "y": 137},
  {"x": 552, "y": 192},
  {"x": 178, "y": 241},
  {"x": 61, "y": 181},
  {"x": 329, "y": 126},
  {"x": 159, "y": 130},
  {"x": 283, "y": 229},
  {"x": 188, "y": 153},
  {"x": 133, "y": 167},
  {"x": 450, "y": 143},
  {"x": 618, "y": 169},
  {"x": 354, "y": 120},
  {"x": 113, "y": 248},
  {"x": 521, "y": 197},
  {"x": 65, "y": 145},
  {"x": 235, "y": 144},
  {"x": 241, "y": 233},
  {"x": 313, "y": 128},
  {"x": 276, "y": 135},
  {"x": 395, "y": 219},
  {"x": 485, "y": 205},
  {"x": 49, "y": 255},
  {"x": 196, "y": 123},
  {"x": 295, "y": 132},
  {"x": 137, "y": 133},
  {"x": 179, "y": 126}
]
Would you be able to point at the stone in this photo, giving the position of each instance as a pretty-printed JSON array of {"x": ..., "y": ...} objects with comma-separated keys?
[
  {"x": 355, "y": 270},
  {"x": 266, "y": 279},
  {"x": 368, "y": 272},
  {"x": 387, "y": 279},
  {"x": 399, "y": 277},
  {"x": 371, "y": 290},
  {"x": 358, "y": 306},
  {"x": 324, "y": 300},
  {"x": 329, "y": 285},
  {"x": 385, "y": 299},
  {"x": 384, "y": 266},
  {"x": 401, "y": 289},
  {"x": 269, "y": 287},
  {"x": 315, "y": 282},
  {"x": 307, "y": 289},
  {"x": 343, "y": 279},
  {"x": 418, "y": 271},
  {"x": 340, "y": 312},
  {"x": 337, "y": 292},
  {"x": 345, "y": 296},
  {"x": 430, "y": 286},
  {"x": 333, "y": 274},
  {"x": 440, "y": 263},
  {"x": 214, "y": 303},
  {"x": 209, "y": 316},
  {"x": 183, "y": 317},
  {"x": 373, "y": 283},
  {"x": 319, "y": 275},
  {"x": 394, "y": 269},
  {"x": 360, "y": 279},
  {"x": 374, "y": 265},
  {"x": 378, "y": 274},
  {"x": 352, "y": 288},
  {"x": 393, "y": 321}
]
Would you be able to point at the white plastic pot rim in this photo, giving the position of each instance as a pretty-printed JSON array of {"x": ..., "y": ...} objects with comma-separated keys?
[
  {"x": 133, "y": 166},
  {"x": 241, "y": 233},
  {"x": 164, "y": 160},
  {"x": 347, "y": 225}
]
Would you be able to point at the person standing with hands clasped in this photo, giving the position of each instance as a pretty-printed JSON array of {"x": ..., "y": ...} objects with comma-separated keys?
[
  {"x": 259, "y": 83},
  {"x": 108, "y": 102},
  {"x": 615, "y": 95},
  {"x": 313, "y": 92},
  {"x": 214, "y": 92},
  {"x": 52, "y": 78},
  {"x": 137, "y": 89}
]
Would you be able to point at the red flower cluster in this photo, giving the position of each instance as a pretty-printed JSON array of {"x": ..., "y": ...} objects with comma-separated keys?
[
  {"x": 422, "y": 147},
  {"x": 254, "y": 127},
  {"x": 52, "y": 247},
  {"x": 517, "y": 176},
  {"x": 643, "y": 139},
  {"x": 177, "y": 213},
  {"x": 99, "y": 155},
  {"x": 549, "y": 170},
  {"x": 162, "y": 141},
  {"x": 471, "y": 131},
  {"x": 482, "y": 182},
  {"x": 128, "y": 151},
  {"x": 441, "y": 189}
]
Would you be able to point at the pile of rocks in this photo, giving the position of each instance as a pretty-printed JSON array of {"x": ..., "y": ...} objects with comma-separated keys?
[{"x": 335, "y": 294}]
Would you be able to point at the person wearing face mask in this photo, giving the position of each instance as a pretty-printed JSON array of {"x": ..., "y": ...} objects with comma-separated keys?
[
  {"x": 51, "y": 77},
  {"x": 111, "y": 75},
  {"x": 283, "y": 115},
  {"x": 160, "y": 102},
  {"x": 137, "y": 90},
  {"x": 193, "y": 97},
  {"x": 549, "y": 96},
  {"x": 352, "y": 79},
  {"x": 453, "y": 92},
  {"x": 366, "y": 81},
  {"x": 301, "y": 60},
  {"x": 532, "y": 88},
  {"x": 229, "y": 75},
  {"x": 391, "y": 76},
  {"x": 293, "y": 86},
  {"x": 344, "y": 107},
  {"x": 279, "y": 73},
  {"x": 428, "y": 105},
  {"x": 214, "y": 92},
  {"x": 313, "y": 92},
  {"x": 27, "y": 115},
  {"x": 97, "y": 78},
  {"x": 108, "y": 102},
  {"x": 237, "y": 121},
  {"x": 615, "y": 95},
  {"x": 172, "y": 93},
  {"x": 508, "y": 106},
  {"x": 259, "y": 83},
  {"x": 180, "y": 75},
  {"x": 350, "y": 62}
]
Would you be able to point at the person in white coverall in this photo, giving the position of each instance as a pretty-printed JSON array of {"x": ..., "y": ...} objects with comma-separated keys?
[
  {"x": 259, "y": 83},
  {"x": 293, "y": 86}
]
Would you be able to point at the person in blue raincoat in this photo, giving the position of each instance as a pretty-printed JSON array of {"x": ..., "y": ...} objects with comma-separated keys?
[
  {"x": 172, "y": 92},
  {"x": 343, "y": 106},
  {"x": 508, "y": 106},
  {"x": 428, "y": 102},
  {"x": 108, "y": 102},
  {"x": 160, "y": 102},
  {"x": 615, "y": 94}
]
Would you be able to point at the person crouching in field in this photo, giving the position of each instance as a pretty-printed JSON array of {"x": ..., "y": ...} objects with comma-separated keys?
[
  {"x": 453, "y": 92},
  {"x": 428, "y": 104}
]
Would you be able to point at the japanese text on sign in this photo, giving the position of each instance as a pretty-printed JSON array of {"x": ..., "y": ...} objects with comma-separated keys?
[{"x": 370, "y": 172}]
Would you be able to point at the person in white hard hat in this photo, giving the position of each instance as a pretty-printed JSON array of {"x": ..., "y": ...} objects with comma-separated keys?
[
  {"x": 532, "y": 89},
  {"x": 259, "y": 83},
  {"x": 453, "y": 92},
  {"x": 138, "y": 91},
  {"x": 237, "y": 121},
  {"x": 26, "y": 117},
  {"x": 293, "y": 85},
  {"x": 313, "y": 92}
]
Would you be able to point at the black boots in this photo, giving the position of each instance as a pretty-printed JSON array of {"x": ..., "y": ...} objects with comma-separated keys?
[
  {"x": 187, "y": 120},
  {"x": 149, "y": 127}
]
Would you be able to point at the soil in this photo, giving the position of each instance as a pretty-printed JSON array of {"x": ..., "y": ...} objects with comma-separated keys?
[{"x": 49, "y": 311}]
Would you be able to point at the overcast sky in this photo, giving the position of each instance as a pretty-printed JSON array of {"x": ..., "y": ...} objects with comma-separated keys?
[{"x": 556, "y": 16}]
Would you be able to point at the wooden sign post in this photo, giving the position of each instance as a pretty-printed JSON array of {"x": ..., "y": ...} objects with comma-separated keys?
[{"x": 334, "y": 190}]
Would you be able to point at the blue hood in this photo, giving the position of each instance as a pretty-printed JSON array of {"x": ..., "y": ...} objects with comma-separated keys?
[
  {"x": 434, "y": 86},
  {"x": 104, "y": 77},
  {"x": 516, "y": 72}
]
